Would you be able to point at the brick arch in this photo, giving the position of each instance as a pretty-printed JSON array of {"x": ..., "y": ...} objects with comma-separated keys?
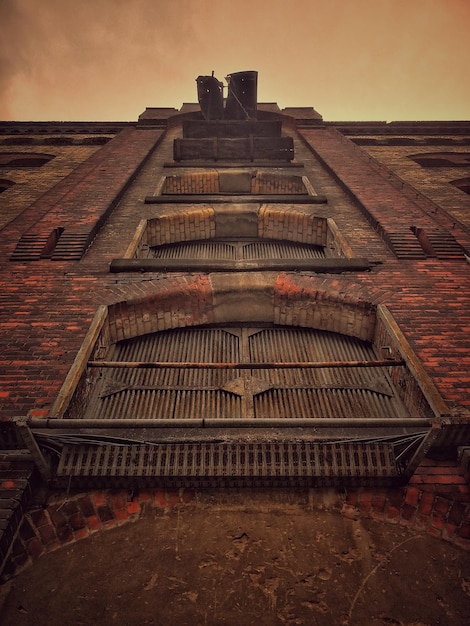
[
  {"x": 73, "y": 517},
  {"x": 256, "y": 297},
  {"x": 265, "y": 221}
]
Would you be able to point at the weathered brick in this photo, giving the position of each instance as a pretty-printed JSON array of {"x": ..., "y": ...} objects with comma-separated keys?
[
  {"x": 412, "y": 496},
  {"x": 456, "y": 513},
  {"x": 86, "y": 506},
  {"x": 104, "y": 513}
]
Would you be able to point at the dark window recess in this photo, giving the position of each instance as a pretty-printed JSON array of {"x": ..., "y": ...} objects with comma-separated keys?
[
  {"x": 19, "y": 141},
  {"x": 442, "y": 159},
  {"x": 24, "y": 159},
  {"x": 240, "y": 149},
  {"x": 463, "y": 184},
  {"x": 5, "y": 184}
]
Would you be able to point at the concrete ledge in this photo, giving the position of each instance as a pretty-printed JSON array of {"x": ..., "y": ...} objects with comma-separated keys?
[
  {"x": 240, "y": 199},
  {"x": 327, "y": 266}
]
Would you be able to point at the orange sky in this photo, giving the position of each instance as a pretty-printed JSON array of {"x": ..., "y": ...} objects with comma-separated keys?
[{"x": 350, "y": 59}]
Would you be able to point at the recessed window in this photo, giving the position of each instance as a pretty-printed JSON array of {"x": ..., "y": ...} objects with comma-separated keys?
[
  {"x": 463, "y": 184},
  {"x": 24, "y": 159},
  {"x": 232, "y": 236},
  {"x": 442, "y": 159},
  {"x": 5, "y": 184}
]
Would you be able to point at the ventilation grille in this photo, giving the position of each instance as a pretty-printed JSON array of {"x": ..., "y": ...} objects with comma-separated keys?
[
  {"x": 229, "y": 464},
  {"x": 30, "y": 247},
  {"x": 440, "y": 244},
  {"x": 418, "y": 243},
  {"x": 71, "y": 246},
  {"x": 404, "y": 244},
  {"x": 58, "y": 245}
]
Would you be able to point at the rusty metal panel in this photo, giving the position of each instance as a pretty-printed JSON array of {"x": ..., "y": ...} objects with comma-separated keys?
[
  {"x": 195, "y": 250},
  {"x": 328, "y": 392},
  {"x": 169, "y": 393},
  {"x": 249, "y": 390},
  {"x": 246, "y": 250}
]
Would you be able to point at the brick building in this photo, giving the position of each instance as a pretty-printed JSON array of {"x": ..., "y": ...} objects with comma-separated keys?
[{"x": 188, "y": 304}]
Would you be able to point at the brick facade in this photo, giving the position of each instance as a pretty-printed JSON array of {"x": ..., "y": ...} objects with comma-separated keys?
[{"x": 98, "y": 192}]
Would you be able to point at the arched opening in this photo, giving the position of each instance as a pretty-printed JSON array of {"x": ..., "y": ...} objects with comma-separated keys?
[
  {"x": 232, "y": 385},
  {"x": 236, "y": 326},
  {"x": 240, "y": 236}
]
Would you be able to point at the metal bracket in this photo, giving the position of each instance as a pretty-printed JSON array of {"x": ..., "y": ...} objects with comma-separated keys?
[
  {"x": 24, "y": 432},
  {"x": 422, "y": 450}
]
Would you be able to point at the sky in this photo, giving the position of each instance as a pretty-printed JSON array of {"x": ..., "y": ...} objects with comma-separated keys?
[{"x": 358, "y": 60}]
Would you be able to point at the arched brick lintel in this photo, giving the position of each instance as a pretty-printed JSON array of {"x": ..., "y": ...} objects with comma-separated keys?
[
  {"x": 267, "y": 297},
  {"x": 264, "y": 221},
  {"x": 326, "y": 305}
]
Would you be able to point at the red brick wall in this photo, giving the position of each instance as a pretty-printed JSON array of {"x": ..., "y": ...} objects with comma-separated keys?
[{"x": 46, "y": 308}]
